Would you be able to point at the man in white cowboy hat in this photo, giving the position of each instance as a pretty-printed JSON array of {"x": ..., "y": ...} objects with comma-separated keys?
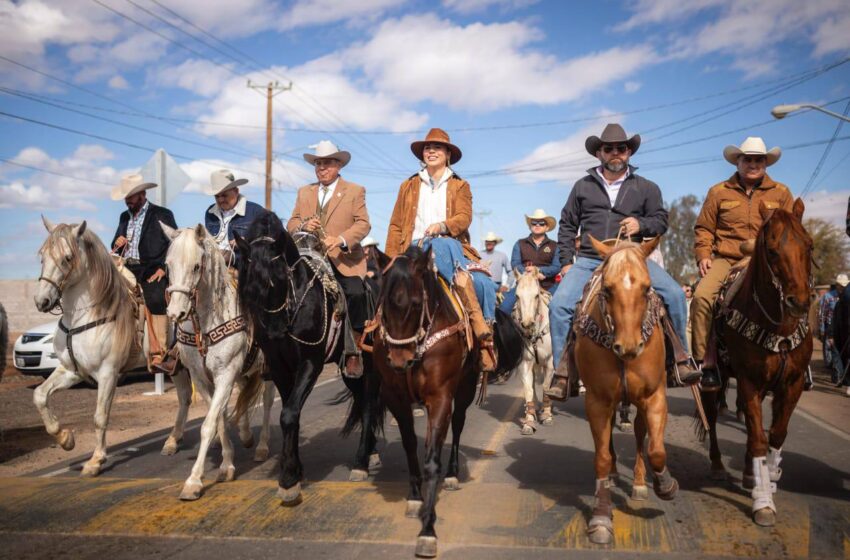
[
  {"x": 335, "y": 210},
  {"x": 498, "y": 261},
  {"x": 825, "y": 315},
  {"x": 728, "y": 217},
  {"x": 535, "y": 251},
  {"x": 231, "y": 213},
  {"x": 143, "y": 245},
  {"x": 611, "y": 201}
]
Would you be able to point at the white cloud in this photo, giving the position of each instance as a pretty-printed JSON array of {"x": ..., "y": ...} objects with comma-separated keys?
[
  {"x": 827, "y": 205},
  {"x": 833, "y": 35},
  {"x": 289, "y": 173},
  {"x": 201, "y": 77},
  {"x": 118, "y": 82},
  {"x": 632, "y": 87},
  {"x": 305, "y": 13},
  {"x": 564, "y": 160},
  {"x": 472, "y": 6},
  {"x": 647, "y": 12}
]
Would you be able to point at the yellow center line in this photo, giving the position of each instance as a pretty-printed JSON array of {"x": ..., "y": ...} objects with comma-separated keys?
[{"x": 476, "y": 472}]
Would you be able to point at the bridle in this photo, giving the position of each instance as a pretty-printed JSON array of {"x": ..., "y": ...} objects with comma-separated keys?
[
  {"x": 60, "y": 286},
  {"x": 421, "y": 330},
  {"x": 191, "y": 292}
]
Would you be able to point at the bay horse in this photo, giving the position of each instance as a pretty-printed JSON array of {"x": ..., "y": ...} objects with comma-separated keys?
[
  {"x": 763, "y": 340},
  {"x": 531, "y": 312},
  {"x": 422, "y": 354},
  {"x": 292, "y": 303},
  {"x": 215, "y": 346},
  {"x": 620, "y": 356}
]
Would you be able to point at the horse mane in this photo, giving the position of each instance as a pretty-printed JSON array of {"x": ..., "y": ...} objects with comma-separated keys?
[
  {"x": 401, "y": 274},
  {"x": 624, "y": 256},
  {"x": 183, "y": 248}
]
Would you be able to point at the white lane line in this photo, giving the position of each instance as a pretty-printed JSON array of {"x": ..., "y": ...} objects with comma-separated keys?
[
  {"x": 134, "y": 447},
  {"x": 828, "y": 427}
]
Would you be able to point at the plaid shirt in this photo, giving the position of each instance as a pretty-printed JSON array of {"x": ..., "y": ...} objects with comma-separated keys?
[
  {"x": 825, "y": 312},
  {"x": 134, "y": 232}
]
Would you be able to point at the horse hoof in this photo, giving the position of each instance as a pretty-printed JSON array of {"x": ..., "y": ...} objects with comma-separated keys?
[
  {"x": 719, "y": 474},
  {"x": 261, "y": 454},
  {"x": 748, "y": 482},
  {"x": 374, "y": 461},
  {"x": 426, "y": 547},
  {"x": 90, "y": 470},
  {"x": 723, "y": 411},
  {"x": 547, "y": 420},
  {"x": 290, "y": 497},
  {"x": 640, "y": 493},
  {"x": 170, "y": 447},
  {"x": 600, "y": 530},
  {"x": 226, "y": 474},
  {"x": 413, "y": 507},
  {"x": 248, "y": 443},
  {"x": 667, "y": 493},
  {"x": 451, "y": 483},
  {"x": 527, "y": 430},
  {"x": 191, "y": 491},
  {"x": 765, "y": 517},
  {"x": 65, "y": 438},
  {"x": 626, "y": 427},
  {"x": 358, "y": 475}
]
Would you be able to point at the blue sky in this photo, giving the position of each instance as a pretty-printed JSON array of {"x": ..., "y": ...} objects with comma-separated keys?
[{"x": 518, "y": 84}]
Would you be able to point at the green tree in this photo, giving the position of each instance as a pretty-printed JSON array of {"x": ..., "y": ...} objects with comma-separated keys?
[
  {"x": 678, "y": 243},
  {"x": 831, "y": 249}
]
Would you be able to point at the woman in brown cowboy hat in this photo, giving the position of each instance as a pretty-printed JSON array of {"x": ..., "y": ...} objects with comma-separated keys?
[{"x": 435, "y": 205}]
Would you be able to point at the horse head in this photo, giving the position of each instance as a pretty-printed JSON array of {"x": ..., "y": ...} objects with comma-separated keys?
[
  {"x": 189, "y": 263},
  {"x": 63, "y": 262},
  {"x": 528, "y": 294},
  {"x": 404, "y": 304},
  {"x": 784, "y": 255},
  {"x": 624, "y": 293}
]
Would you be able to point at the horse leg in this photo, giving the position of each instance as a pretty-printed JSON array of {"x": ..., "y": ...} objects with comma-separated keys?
[
  {"x": 712, "y": 409},
  {"x": 664, "y": 484},
  {"x": 226, "y": 470},
  {"x": 439, "y": 413},
  {"x": 362, "y": 405},
  {"x": 612, "y": 473},
  {"x": 526, "y": 373},
  {"x": 403, "y": 413},
  {"x": 61, "y": 378},
  {"x": 784, "y": 403},
  {"x": 464, "y": 396},
  {"x": 600, "y": 529},
  {"x": 262, "y": 451},
  {"x": 546, "y": 417},
  {"x": 639, "y": 489},
  {"x": 107, "y": 379},
  {"x": 246, "y": 436},
  {"x": 184, "y": 398}
]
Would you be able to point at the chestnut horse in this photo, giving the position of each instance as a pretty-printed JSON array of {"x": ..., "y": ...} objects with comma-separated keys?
[
  {"x": 620, "y": 356},
  {"x": 763, "y": 341}
]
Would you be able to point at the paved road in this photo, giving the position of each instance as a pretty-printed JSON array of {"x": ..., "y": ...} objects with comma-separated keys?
[{"x": 520, "y": 496}]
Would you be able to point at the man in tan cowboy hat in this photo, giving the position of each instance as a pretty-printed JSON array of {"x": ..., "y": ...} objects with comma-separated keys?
[
  {"x": 335, "y": 210},
  {"x": 535, "y": 251},
  {"x": 143, "y": 245},
  {"x": 498, "y": 260},
  {"x": 435, "y": 205},
  {"x": 728, "y": 217},
  {"x": 231, "y": 213},
  {"x": 611, "y": 201}
]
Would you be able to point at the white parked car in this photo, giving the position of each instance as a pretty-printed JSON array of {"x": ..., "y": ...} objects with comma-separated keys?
[{"x": 33, "y": 352}]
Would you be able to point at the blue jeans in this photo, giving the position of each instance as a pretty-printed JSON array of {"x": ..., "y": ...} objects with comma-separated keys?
[
  {"x": 563, "y": 305},
  {"x": 509, "y": 298},
  {"x": 448, "y": 257}
]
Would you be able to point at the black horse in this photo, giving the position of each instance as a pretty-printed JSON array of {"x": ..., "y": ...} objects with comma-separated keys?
[{"x": 291, "y": 312}]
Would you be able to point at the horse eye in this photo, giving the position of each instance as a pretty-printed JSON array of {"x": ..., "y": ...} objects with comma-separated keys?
[
  {"x": 773, "y": 253},
  {"x": 197, "y": 267},
  {"x": 69, "y": 257}
]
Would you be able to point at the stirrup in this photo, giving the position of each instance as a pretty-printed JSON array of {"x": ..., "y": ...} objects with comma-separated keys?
[{"x": 559, "y": 388}]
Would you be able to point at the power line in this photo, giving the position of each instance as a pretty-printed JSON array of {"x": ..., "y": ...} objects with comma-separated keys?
[
  {"x": 825, "y": 153},
  {"x": 43, "y": 170}
]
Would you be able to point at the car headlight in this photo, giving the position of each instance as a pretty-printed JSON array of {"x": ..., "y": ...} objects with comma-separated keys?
[{"x": 53, "y": 356}]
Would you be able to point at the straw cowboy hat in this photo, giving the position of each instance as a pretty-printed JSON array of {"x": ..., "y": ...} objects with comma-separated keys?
[
  {"x": 437, "y": 136},
  {"x": 539, "y": 214},
  {"x": 130, "y": 185},
  {"x": 369, "y": 241},
  {"x": 613, "y": 134},
  {"x": 491, "y": 236},
  {"x": 223, "y": 180},
  {"x": 842, "y": 280},
  {"x": 754, "y": 146},
  {"x": 328, "y": 150}
]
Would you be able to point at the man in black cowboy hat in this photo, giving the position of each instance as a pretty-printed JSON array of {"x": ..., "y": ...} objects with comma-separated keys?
[{"x": 611, "y": 198}]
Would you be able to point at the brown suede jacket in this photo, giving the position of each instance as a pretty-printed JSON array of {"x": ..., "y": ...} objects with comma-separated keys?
[{"x": 729, "y": 216}]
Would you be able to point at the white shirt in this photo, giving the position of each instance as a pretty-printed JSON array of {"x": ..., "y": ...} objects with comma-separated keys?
[
  {"x": 431, "y": 208},
  {"x": 613, "y": 188},
  {"x": 325, "y": 197},
  {"x": 224, "y": 216}
]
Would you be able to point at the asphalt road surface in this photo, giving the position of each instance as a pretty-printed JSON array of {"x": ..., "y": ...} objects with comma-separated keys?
[{"x": 520, "y": 496}]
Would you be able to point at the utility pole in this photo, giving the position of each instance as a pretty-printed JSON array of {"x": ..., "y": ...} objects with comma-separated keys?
[
  {"x": 481, "y": 214},
  {"x": 272, "y": 89}
]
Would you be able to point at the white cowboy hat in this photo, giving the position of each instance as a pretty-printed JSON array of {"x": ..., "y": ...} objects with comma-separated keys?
[
  {"x": 755, "y": 146},
  {"x": 222, "y": 180},
  {"x": 491, "y": 236},
  {"x": 540, "y": 214},
  {"x": 328, "y": 150},
  {"x": 369, "y": 241},
  {"x": 842, "y": 280},
  {"x": 130, "y": 185}
]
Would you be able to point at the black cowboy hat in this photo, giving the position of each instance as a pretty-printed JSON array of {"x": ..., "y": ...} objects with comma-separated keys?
[{"x": 613, "y": 134}]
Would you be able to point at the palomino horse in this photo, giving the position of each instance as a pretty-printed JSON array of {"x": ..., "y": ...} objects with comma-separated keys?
[
  {"x": 97, "y": 337},
  {"x": 531, "y": 312},
  {"x": 422, "y": 354},
  {"x": 763, "y": 340},
  {"x": 620, "y": 356},
  {"x": 292, "y": 303},
  {"x": 215, "y": 346}
]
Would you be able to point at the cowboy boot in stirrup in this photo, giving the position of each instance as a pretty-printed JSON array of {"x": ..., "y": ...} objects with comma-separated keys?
[
  {"x": 559, "y": 387},
  {"x": 685, "y": 371},
  {"x": 482, "y": 331},
  {"x": 168, "y": 365}
]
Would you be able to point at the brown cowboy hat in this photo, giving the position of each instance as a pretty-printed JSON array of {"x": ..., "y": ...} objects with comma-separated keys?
[
  {"x": 437, "y": 136},
  {"x": 613, "y": 134}
]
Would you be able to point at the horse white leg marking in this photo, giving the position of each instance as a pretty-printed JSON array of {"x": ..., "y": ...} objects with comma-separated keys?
[
  {"x": 184, "y": 399},
  {"x": 262, "y": 451},
  {"x": 61, "y": 378},
  {"x": 107, "y": 379},
  {"x": 764, "y": 510}
]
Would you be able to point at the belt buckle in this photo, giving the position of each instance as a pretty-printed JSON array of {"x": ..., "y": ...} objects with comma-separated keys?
[{"x": 132, "y": 261}]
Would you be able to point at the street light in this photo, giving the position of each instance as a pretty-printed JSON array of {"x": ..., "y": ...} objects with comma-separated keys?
[{"x": 782, "y": 111}]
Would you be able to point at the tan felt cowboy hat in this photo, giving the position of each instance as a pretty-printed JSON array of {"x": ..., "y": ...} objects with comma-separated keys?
[
  {"x": 753, "y": 146},
  {"x": 328, "y": 150},
  {"x": 369, "y": 241},
  {"x": 130, "y": 185},
  {"x": 437, "y": 136},
  {"x": 491, "y": 236},
  {"x": 539, "y": 214},
  {"x": 613, "y": 134},
  {"x": 223, "y": 180}
]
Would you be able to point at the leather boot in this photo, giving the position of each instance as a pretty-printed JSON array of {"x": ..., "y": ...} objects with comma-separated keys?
[
  {"x": 158, "y": 342},
  {"x": 168, "y": 365},
  {"x": 482, "y": 331},
  {"x": 559, "y": 387}
]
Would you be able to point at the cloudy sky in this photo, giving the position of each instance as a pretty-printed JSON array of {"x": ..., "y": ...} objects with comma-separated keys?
[{"x": 90, "y": 88}]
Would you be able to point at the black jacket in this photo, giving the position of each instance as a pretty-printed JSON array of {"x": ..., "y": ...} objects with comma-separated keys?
[
  {"x": 153, "y": 244},
  {"x": 589, "y": 208}
]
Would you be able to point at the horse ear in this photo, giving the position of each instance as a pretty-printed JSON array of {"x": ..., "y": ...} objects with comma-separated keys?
[
  {"x": 200, "y": 232},
  {"x": 80, "y": 229},
  {"x": 169, "y": 231},
  {"x": 517, "y": 275},
  {"x": 798, "y": 208},
  {"x": 50, "y": 226},
  {"x": 382, "y": 258},
  {"x": 243, "y": 246},
  {"x": 649, "y": 246},
  {"x": 764, "y": 211},
  {"x": 602, "y": 249}
]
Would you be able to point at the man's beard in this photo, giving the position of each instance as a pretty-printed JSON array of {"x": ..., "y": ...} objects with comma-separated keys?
[{"x": 614, "y": 166}]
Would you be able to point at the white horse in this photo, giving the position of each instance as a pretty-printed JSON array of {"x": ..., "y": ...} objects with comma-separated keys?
[
  {"x": 531, "y": 311},
  {"x": 214, "y": 344},
  {"x": 97, "y": 335}
]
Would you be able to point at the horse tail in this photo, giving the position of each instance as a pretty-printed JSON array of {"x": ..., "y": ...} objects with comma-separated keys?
[
  {"x": 249, "y": 395},
  {"x": 509, "y": 342},
  {"x": 362, "y": 393},
  {"x": 711, "y": 405}
]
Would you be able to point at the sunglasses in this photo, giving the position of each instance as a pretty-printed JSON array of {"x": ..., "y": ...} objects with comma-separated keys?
[
  {"x": 620, "y": 148},
  {"x": 537, "y": 222}
]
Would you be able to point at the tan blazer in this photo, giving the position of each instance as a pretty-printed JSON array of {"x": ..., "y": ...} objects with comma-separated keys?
[{"x": 345, "y": 216}]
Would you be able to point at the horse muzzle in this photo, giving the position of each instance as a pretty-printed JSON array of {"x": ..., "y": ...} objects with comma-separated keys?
[
  {"x": 627, "y": 352},
  {"x": 400, "y": 359},
  {"x": 796, "y": 308}
]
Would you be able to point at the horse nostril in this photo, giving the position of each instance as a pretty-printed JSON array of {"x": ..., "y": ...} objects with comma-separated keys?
[
  {"x": 617, "y": 348},
  {"x": 640, "y": 346}
]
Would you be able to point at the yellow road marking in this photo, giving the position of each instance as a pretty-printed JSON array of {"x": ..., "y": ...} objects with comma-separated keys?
[{"x": 477, "y": 470}]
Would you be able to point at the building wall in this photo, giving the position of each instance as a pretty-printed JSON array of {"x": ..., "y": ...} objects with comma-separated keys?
[{"x": 17, "y": 297}]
